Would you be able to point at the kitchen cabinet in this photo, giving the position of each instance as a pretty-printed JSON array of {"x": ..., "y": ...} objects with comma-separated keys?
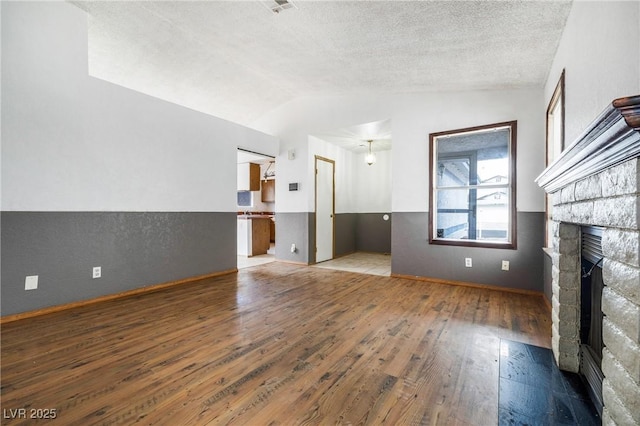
[
  {"x": 272, "y": 231},
  {"x": 253, "y": 235},
  {"x": 269, "y": 191},
  {"x": 260, "y": 238},
  {"x": 248, "y": 177}
]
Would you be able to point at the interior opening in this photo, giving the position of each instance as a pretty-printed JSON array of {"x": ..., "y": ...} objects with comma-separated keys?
[
  {"x": 361, "y": 237},
  {"x": 255, "y": 208}
]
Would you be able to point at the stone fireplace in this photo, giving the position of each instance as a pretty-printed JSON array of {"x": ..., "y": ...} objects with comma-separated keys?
[{"x": 596, "y": 181}]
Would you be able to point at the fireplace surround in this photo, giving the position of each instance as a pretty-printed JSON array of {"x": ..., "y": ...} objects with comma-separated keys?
[{"x": 596, "y": 182}]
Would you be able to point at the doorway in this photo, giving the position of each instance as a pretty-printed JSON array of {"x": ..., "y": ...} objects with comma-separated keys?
[
  {"x": 325, "y": 208},
  {"x": 255, "y": 208}
]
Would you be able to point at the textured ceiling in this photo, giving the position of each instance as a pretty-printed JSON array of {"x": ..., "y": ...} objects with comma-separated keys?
[{"x": 237, "y": 60}]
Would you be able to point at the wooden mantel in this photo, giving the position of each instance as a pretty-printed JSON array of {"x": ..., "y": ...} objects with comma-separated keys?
[{"x": 612, "y": 138}]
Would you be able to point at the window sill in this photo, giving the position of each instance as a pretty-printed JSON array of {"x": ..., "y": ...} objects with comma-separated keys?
[{"x": 474, "y": 243}]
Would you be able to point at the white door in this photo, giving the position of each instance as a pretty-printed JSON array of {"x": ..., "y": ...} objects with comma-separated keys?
[{"x": 324, "y": 208}]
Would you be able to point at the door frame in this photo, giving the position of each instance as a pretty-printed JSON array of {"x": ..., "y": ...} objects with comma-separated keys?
[
  {"x": 333, "y": 206},
  {"x": 251, "y": 156}
]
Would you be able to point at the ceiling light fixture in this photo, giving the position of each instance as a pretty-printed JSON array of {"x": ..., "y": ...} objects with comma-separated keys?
[{"x": 370, "y": 158}]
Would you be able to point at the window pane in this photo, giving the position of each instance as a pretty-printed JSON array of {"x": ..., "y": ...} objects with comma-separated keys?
[
  {"x": 493, "y": 214},
  {"x": 463, "y": 215},
  {"x": 494, "y": 171},
  {"x": 244, "y": 199},
  {"x": 453, "y": 172},
  {"x": 477, "y": 158},
  {"x": 453, "y": 214}
]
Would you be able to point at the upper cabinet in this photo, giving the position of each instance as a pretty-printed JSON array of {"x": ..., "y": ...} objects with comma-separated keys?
[
  {"x": 269, "y": 191},
  {"x": 248, "y": 177}
]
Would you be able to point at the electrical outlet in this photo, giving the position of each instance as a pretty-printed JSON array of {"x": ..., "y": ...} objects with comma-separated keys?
[
  {"x": 97, "y": 271},
  {"x": 505, "y": 265},
  {"x": 31, "y": 282},
  {"x": 293, "y": 248},
  {"x": 467, "y": 262}
]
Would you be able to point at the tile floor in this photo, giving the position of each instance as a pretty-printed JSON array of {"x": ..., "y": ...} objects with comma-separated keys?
[
  {"x": 364, "y": 263},
  {"x": 533, "y": 391},
  {"x": 247, "y": 262}
]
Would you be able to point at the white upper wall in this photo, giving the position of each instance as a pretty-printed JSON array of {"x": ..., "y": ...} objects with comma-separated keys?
[
  {"x": 343, "y": 173},
  {"x": 372, "y": 185},
  {"x": 71, "y": 142},
  {"x": 359, "y": 188},
  {"x": 600, "y": 53},
  {"x": 412, "y": 117}
]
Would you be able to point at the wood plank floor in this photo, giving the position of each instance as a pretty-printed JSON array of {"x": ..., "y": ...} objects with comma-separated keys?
[{"x": 274, "y": 344}]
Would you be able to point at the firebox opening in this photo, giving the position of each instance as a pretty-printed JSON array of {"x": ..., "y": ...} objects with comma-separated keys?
[{"x": 591, "y": 316}]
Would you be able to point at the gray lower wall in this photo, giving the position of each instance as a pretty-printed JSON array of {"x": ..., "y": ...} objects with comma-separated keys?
[
  {"x": 373, "y": 233},
  {"x": 133, "y": 249},
  {"x": 367, "y": 232},
  {"x": 353, "y": 232},
  {"x": 298, "y": 229},
  {"x": 346, "y": 227},
  {"x": 413, "y": 255}
]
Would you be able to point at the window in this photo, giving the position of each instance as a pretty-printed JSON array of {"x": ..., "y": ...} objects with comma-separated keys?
[
  {"x": 473, "y": 186},
  {"x": 245, "y": 199},
  {"x": 555, "y": 143}
]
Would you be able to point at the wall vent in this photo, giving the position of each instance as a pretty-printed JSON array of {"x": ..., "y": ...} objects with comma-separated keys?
[{"x": 277, "y": 6}]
